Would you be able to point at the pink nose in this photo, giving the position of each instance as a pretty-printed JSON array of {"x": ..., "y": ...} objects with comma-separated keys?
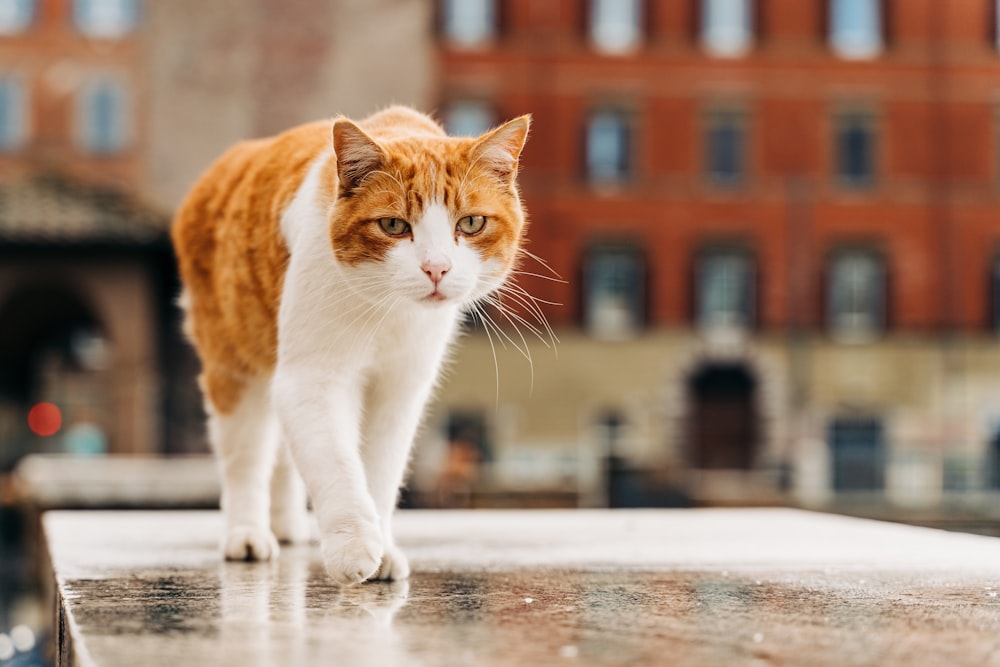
[{"x": 435, "y": 269}]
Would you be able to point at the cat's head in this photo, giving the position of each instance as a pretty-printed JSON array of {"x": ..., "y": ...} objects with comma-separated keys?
[{"x": 428, "y": 218}]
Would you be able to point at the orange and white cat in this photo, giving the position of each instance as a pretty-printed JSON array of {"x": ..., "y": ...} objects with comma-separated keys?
[{"x": 325, "y": 272}]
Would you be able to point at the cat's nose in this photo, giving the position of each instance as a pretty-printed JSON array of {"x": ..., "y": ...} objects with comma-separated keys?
[{"x": 435, "y": 269}]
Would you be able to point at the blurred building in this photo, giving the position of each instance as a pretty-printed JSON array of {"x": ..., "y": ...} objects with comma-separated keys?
[
  {"x": 109, "y": 110},
  {"x": 773, "y": 221},
  {"x": 776, "y": 222}
]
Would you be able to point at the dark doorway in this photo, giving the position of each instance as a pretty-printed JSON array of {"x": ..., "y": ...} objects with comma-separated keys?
[
  {"x": 723, "y": 417},
  {"x": 993, "y": 460},
  {"x": 858, "y": 452}
]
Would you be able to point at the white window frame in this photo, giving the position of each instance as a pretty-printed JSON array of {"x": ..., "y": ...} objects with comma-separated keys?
[
  {"x": 608, "y": 147},
  {"x": 469, "y": 24},
  {"x": 727, "y": 27},
  {"x": 856, "y": 28},
  {"x": 614, "y": 283},
  {"x": 616, "y": 25},
  {"x": 16, "y": 16},
  {"x": 726, "y": 290},
  {"x": 106, "y": 19},
  {"x": 856, "y": 302}
]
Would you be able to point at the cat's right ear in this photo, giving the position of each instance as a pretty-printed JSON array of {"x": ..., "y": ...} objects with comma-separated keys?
[{"x": 357, "y": 154}]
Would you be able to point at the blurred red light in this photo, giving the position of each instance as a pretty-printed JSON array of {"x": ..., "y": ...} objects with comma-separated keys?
[{"x": 44, "y": 419}]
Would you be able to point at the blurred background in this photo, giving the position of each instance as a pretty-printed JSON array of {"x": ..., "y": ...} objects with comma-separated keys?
[{"x": 775, "y": 224}]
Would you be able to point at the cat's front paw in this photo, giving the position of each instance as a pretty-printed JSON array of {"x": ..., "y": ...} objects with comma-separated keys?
[
  {"x": 353, "y": 552},
  {"x": 249, "y": 543},
  {"x": 394, "y": 567}
]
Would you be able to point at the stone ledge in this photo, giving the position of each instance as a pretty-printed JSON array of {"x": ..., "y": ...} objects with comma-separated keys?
[{"x": 684, "y": 587}]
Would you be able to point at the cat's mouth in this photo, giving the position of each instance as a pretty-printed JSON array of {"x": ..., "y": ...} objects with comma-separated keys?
[{"x": 435, "y": 297}]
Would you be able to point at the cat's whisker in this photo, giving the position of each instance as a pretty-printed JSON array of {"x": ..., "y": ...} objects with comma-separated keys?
[
  {"x": 478, "y": 312},
  {"x": 538, "y": 275},
  {"x": 507, "y": 314},
  {"x": 530, "y": 255},
  {"x": 520, "y": 295},
  {"x": 524, "y": 352},
  {"x": 513, "y": 284}
]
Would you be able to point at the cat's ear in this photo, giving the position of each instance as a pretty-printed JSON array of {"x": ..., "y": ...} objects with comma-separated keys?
[
  {"x": 357, "y": 154},
  {"x": 500, "y": 148}
]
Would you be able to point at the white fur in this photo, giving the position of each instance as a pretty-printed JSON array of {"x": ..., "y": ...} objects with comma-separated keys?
[{"x": 359, "y": 351}]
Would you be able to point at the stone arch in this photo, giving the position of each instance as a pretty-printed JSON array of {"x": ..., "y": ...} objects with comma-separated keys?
[{"x": 767, "y": 399}]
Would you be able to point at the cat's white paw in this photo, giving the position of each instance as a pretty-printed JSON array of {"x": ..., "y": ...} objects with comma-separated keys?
[
  {"x": 353, "y": 552},
  {"x": 250, "y": 543},
  {"x": 291, "y": 527},
  {"x": 394, "y": 567}
]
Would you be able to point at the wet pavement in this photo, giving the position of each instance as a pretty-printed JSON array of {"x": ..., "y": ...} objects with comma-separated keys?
[{"x": 685, "y": 587}]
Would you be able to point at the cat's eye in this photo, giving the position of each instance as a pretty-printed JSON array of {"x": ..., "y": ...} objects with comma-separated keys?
[
  {"x": 394, "y": 226},
  {"x": 471, "y": 225}
]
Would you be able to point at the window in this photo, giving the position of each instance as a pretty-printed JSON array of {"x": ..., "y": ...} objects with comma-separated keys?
[
  {"x": 726, "y": 28},
  {"x": 995, "y": 293},
  {"x": 856, "y": 296},
  {"x": 13, "y": 114},
  {"x": 725, "y": 150},
  {"x": 854, "y": 149},
  {"x": 615, "y": 25},
  {"x": 468, "y": 118},
  {"x": 856, "y": 28},
  {"x": 614, "y": 292},
  {"x": 858, "y": 454},
  {"x": 106, "y": 19},
  {"x": 607, "y": 147},
  {"x": 469, "y": 23},
  {"x": 103, "y": 118},
  {"x": 16, "y": 16},
  {"x": 995, "y": 28},
  {"x": 725, "y": 284}
]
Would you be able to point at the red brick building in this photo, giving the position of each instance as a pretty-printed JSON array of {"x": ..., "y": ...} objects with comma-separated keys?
[{"x": 763, "y": 196}]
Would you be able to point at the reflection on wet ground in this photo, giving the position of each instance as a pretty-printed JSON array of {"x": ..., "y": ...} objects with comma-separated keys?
[{"x": 288, "y": 613}]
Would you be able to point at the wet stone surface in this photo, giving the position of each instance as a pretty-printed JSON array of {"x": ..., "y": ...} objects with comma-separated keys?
[{"x": 686, "y": 588}]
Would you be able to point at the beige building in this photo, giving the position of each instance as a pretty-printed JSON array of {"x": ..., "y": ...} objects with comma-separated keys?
[{"x": 108, "y": 113}]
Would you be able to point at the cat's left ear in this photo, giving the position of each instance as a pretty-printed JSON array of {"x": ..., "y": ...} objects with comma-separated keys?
[
  {"x": 500, "y": 148},
  {"x": 357, "y": 154}
]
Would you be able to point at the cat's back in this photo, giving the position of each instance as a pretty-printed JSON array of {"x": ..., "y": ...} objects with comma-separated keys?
[{"x": 230, "y": 250}]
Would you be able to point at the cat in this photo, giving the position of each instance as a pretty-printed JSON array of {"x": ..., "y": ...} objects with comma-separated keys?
[{"x": 325, "y": 272}]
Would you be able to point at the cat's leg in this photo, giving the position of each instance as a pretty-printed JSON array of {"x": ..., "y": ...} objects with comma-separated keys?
[
  {"x": 395, "y": 406},
  {"x": 245, "y": 441},
  {"x": 289, "y": 518},
  {"x": 321, "y": 419}
]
